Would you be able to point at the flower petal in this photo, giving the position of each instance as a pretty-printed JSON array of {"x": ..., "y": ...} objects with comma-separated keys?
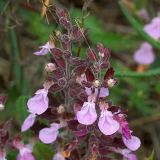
[
  {"x": 42, "y": 52},
  {"x": 144, "y": 55},
  {"x": 28, "y": 122},
  {"x": 104, "y": 92},
  {"x": 133, "y": 144},
  {"x": 107, "y": 124},
  {"x": 153, "y": 28},
  {"x": 39, "y": 103},
  {"x": 87, "y": 115},
  {"x": 88, "y": 91},
  {"x": 49, "y": 135},
  {"x": 25, "y": 154},
  {"x": 128, "y": 155}
]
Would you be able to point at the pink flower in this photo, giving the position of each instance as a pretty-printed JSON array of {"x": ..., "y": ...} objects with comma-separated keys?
[
  {"x": 58, "y": 156},
  {"x": 25, "y": 154},
  {"x": 133, "y": 143},
  {"x": 49, "y": 135},
  {"x": 29, "y": 121},
  {"x": 87, "y": 115},
  {"x": 45, "y": 49},
  {"x": 2, "y": 155},
  {"x": 130, "y": 141},
  {"x": 125, "y": 130},
  {"x": 25, "y": 151},
  {"x": 107, "y": 124},
  {"x": 39, "y": 103},
  {"x": 144, "y": 14},
  {"x": 104, "y": 92},
  {"x": 144, "y": 55},
  {"x": 128, "y": 155},
  {"x": 153, "y": 29}
]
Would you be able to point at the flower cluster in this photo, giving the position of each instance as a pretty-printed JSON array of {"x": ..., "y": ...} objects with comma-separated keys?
[
  {"x": 75, "y": 102},
  {"x": 145, "y": 54}
]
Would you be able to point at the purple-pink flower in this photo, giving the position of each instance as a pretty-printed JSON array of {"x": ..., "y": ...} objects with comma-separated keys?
[
  {"x": 144, "y": 14},
  {"x": 49, "y": 135},
  {"x": 153, "y": 28},
  {"x": 29, "y": 121},
  {"x": 2, "y": 155},
  {"x": 144, "y": 55},
  {"x": 125, "y": 129},
  {"x": 104, "y": 92},
  {"x": 133, "y": 143},
  {"x": 25, "y": 154},
  {"x": 25, "y": 151},
  {"x": 39, "y": 103},
  {"x": 128, "y": 155},
  {"x": 130, "y": 141},
  {"x": 107, "y": 124},
  {"x": 58, "y": 156},
  {"x": 87, "y": 115},
  {"x": 45, "y": 49}
]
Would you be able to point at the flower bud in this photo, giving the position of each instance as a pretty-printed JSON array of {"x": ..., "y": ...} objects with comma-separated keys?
[
  {"x": 50, "y": 67},
  {"x": 111, "y": 82},
  {"x": 2, "y": 101},
  {"x": 58, "y": 33},
  {"x": 2, "y": 107},
  {"x": 60, "y": 109},
  {"x": 96, "y": 83}
]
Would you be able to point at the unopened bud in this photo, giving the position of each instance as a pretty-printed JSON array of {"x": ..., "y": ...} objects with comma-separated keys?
[
  {"x": 111, "y": 82},
  {"x": 2, "y": 107},
  {"x": 50, "y": 67},
  {"x": 58, "y": 33},
  {"x": 96, "y": 83},
  {"x": 101, "y": 54},
  {"x": 60, "y": 109}
]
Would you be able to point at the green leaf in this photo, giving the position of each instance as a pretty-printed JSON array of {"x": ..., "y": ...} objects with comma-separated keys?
[
  {"x": 16, "y": 67},
  {"x": 12, "y": 155},
  {"x": 21, "y": 109},
  {"x": 43, "y": 151},
  {"x": 152, "y": 156},
  {"x": 138, "y": 27}
]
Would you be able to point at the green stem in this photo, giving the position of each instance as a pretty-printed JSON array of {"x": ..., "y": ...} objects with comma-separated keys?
[
  {"x": 150, "y": 73},
  {"x": 16, "y": 67}
]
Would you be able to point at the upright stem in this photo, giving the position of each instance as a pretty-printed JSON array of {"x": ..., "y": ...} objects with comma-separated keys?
[{"x": 67, "y": 88}]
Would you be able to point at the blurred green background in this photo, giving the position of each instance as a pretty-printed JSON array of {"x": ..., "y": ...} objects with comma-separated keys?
[{"x": 116, "y": 24}]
